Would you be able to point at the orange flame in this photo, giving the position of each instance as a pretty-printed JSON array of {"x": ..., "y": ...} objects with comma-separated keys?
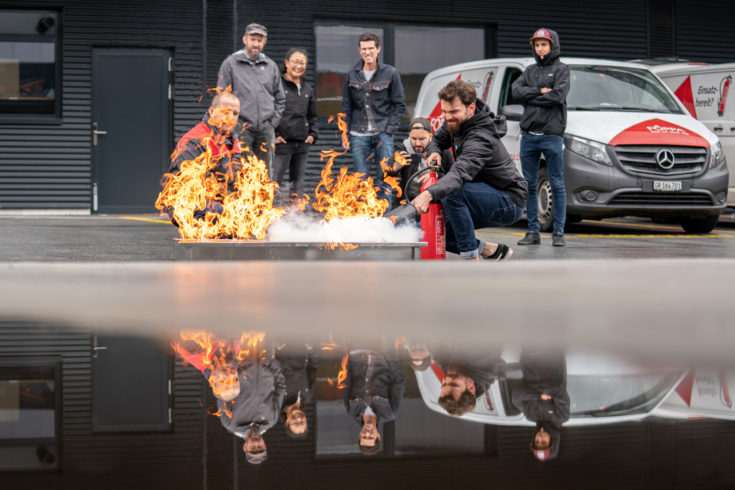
[
  {"x": 342, "y": 126},
  {"x": 251, "y": 346},
  {"x": 390, "y": 180},
  {"x": 342, "y": 375},
  {"x": 348, "y": 196}
]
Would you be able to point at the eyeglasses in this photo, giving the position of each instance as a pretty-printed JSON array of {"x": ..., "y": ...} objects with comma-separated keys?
[{"x": 298, "y": 63}]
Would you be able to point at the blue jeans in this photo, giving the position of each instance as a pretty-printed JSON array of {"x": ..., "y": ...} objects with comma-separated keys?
[
  {"x": 371, "y": 150},
  {"x": 532, "y": 147},
  {"x": 261, "y": 144},
  {"x": 476, "y": 205}
]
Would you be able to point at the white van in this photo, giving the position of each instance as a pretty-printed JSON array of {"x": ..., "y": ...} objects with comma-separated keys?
[
  {"x": 707, "y": 93},
  {"x": 631, "y": 147}
]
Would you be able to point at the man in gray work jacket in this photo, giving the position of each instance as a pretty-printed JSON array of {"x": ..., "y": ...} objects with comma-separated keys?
[{"x": 256, "y": 80}]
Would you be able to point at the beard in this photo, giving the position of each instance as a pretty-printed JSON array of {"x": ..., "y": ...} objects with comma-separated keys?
[{"x": 453, "y": 126}]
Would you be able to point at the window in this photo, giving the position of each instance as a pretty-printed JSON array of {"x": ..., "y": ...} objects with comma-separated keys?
[
  {"x": 29, "y": 64},
  {"x": 29, "y": 416},
  {"x": 506, "y": 94},
  {"x": 414, "y": 50}
]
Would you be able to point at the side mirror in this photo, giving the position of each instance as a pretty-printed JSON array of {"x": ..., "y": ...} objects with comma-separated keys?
[{"x": 512, "y": 112}]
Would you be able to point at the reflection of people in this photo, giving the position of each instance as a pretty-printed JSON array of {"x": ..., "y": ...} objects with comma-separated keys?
[
  {"x": 298, "y": 128},
  {"x": 373, "y": 393},
  {"x": 213, "y": 134},
  {"x": 256, "y": 80},
  {"x": 373, "y": 103},
  {"x": 542, "y": 89},
  {"x": 482, "y": 187},
  {"x": 299, "y": 370},
  {"x": 254, "y": 447},
  {"x": 466, "y": 378},
  {"x": 543, "y": 398}
]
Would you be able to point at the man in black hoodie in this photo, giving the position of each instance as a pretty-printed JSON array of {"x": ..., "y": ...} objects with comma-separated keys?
[
  {"x": 482, "y": 187},
  {"x": 543, "y": 89},
  {"x": 543, "y": 398}
]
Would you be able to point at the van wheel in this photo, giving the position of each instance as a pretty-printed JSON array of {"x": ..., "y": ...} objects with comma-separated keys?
[
  {"x": 700, "y": 225},
  {"x": 545, "y": 204}
]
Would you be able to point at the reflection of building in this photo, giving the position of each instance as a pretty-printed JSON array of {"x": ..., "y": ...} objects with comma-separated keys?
[
  {"x": 114, "y": 431},
  {"x": 137, "y": 70}
]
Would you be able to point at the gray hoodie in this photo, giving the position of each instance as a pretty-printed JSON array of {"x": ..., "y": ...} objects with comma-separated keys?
[{"x": 258, "y": 86}]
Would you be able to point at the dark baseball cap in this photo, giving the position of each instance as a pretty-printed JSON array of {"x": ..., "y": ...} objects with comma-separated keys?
[{"x": 256, "y": 29}]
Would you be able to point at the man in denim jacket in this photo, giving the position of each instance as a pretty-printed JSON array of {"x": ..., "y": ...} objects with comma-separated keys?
[{"x": 373, "y": 103}]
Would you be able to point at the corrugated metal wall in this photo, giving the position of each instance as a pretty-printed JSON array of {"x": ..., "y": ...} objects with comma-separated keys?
[
  {"x": 49, "y": 166},
  {"x": 704, "y": 30}
]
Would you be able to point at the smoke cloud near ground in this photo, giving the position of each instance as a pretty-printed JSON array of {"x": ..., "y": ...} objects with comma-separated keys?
[{"x": 304, "y": 228}]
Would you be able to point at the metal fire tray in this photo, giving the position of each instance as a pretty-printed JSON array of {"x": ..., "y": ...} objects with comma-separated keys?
[{"x": 182, "y": 249}]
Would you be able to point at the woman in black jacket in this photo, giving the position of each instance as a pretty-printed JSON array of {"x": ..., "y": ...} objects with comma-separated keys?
[{"x": 298, "y": 128}]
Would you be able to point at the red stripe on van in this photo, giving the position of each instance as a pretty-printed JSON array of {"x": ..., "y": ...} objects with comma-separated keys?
[
  {"x": 659, "y": 132},
  {"x": 684, "y": 93}
]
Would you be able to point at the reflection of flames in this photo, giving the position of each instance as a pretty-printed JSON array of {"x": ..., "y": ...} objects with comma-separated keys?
[
  {"x": 221, "y": 357},
  {"x": 341, "y": 376},
  {"x": 251, "y": 346},
  {"x": 220, "y": 412},
  {"x": 331, "y": 345},
  {"x": 350, "y": 195}
]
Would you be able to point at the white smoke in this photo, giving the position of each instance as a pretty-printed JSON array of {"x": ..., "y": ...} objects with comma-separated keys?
[{"x": 302, "y": 228}]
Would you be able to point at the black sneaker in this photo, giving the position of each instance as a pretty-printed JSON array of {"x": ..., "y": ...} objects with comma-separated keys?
[
  {"x": 503, "y": 252},
  {"x": 530, "y": 239},
  {"x": 557, "y": 240}
]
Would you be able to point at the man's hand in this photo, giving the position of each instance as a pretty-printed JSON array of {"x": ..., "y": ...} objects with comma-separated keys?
[
  {"x": 544, "y": 396},
  {"x": 434, "y": 159},
  {"x": 279, "y": 140},
  {"x": 422, "y": 201},
  {"x": 309, "y": 140},
  {"x": 545, "y": 90}
]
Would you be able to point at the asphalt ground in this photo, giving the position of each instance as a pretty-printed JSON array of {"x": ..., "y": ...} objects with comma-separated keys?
[
  {"x": 625, "y": 285},
  {"x": 146, "y": 238}
]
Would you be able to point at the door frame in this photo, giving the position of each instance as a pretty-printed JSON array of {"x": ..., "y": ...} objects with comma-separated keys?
[{"x": 167, "y": 144}]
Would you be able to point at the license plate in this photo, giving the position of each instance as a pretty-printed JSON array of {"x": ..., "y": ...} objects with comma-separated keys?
[{"x": 667, "y": 185}]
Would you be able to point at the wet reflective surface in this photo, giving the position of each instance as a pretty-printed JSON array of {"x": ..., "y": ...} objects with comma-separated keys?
[{"x": 81, "y": 408}]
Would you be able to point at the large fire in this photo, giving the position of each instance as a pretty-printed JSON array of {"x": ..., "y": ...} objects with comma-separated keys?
[{"x": 201, "y": 200}]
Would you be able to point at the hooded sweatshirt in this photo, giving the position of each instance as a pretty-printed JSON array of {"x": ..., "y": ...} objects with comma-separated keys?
[
  {"x": 544, "y": 113},
  {"x": 479, "y": 156}
]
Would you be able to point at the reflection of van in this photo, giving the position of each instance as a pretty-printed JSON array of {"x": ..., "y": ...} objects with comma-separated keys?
[
  {"x": 602, "y": 390},
  {"x": 631, "y": 148},
  {"x": 707, "y": 93}
]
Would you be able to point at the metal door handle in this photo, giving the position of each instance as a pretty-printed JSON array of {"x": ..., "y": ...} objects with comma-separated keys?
[
  {"x": 96, "y": 347},
  {"x": 95, "y": 133},
  {"x": 717, "y": 128}
]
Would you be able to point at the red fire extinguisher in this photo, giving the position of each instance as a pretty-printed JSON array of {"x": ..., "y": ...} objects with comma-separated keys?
[
  {"x": 432, "y": 224},
  {"x": 724, "y": 88}
]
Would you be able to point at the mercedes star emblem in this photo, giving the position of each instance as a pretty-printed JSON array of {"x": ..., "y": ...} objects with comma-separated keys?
[{"x": 665, "y": 159}]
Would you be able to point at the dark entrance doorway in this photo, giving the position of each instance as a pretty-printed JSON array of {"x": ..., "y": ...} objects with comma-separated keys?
[
  {"x": 131, "y": 128},
  {"x": 131, "y": 384}
]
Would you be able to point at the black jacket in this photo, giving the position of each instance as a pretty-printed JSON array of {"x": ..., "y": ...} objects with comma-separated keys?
[
  {"x": 299, "y": 369},
  {"x": 298, "y": 120},
  {"x": 376, "y": 380},
  {"x": 479, "y": 156},
  {"x": 543, "y": 373},
  {"x": 481, "y": 367},
  {"x": 545, "y": 113}
]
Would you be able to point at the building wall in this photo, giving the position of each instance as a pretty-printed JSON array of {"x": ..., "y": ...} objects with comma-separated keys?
[{"x": 50, "y": 166}]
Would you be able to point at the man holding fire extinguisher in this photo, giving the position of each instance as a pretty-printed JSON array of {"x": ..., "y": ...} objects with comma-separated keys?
[{"x": 482, "y": 187}]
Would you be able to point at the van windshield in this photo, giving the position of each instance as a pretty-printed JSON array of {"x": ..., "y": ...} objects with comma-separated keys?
[{"x": 612, "y": 88}]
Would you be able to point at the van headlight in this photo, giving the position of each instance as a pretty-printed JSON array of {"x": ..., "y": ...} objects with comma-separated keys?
[
  {"x": 592, "y": 150},
  {"x": 718, "y": 156}
]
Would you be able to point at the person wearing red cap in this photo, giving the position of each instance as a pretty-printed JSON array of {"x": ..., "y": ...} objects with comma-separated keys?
[{"x": 543, "y": 89}]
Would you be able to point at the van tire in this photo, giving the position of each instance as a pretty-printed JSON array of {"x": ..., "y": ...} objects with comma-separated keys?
[
  {"x": 545, "y": 201},
  {"x": 704, "y": 224}
]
